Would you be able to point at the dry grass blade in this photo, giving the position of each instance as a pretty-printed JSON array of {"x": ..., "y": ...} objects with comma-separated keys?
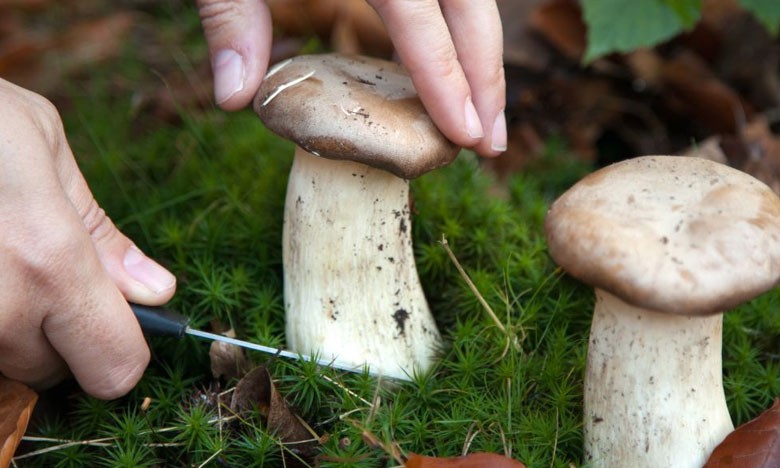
[{"x": 472, "y": 286}]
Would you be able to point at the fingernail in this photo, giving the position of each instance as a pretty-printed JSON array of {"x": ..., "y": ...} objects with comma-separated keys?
[
  {"x": 228, "y": 68},
  {"x": 473, "y": 125},
  {"x": 148, "y": 272},
  {"x": 498, "y": 142}
]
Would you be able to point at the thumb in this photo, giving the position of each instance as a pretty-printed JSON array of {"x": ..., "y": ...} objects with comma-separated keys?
[
  {"x": 238, "y": 33},
  {"x": 138, "y": 277}
]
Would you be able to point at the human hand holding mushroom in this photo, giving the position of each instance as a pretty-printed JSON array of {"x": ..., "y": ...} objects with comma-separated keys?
[
  {"x": 453, "y": 51},
  {"x": 669, "y": 243}
]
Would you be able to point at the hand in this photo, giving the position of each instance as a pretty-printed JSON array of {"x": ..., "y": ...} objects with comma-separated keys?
[
  {"x": 67, "y": 271},
  {"x": 454, "y": 54}
]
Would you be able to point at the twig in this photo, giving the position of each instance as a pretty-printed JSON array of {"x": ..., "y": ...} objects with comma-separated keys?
[
  {"x": 470, "y": 436},
  {"x": 208, "y": 460},
  {"x": 276, "y": 68},
  {"x": 284, "y": 86},
  {"x": 508, "y": 450},
  {"x": 471, "y": 285},
  {"x": 350, "y": 392},
  {"x": 105, "y": 441},
  {"x": 555, "y": 441},
  {"x": 375, "y": 402},
  {"x": 394, "y": 450}
]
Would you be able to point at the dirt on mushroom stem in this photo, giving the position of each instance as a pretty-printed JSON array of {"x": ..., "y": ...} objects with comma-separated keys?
[
  {"x": 352, "y": 291},
  {"x": 644, "y": 370}
]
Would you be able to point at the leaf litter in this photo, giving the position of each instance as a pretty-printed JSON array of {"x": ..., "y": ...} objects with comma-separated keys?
[
  {"x": 257, "y": 391},
  {"x": 16, "y": 405},
  {"x": 755, "y": 444}
]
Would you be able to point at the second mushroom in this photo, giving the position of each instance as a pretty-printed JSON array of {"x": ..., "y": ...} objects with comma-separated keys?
[
  {"x": 351, "y": 290},
  {"x": 669, "y": 243}
]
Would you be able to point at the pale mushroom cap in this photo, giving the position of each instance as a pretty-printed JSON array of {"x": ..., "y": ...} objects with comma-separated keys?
[
  {"x": 673, "y": 234},
  {"x": 355, "y": 108}
]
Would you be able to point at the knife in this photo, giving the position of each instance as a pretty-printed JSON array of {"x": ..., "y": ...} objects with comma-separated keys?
[{"x": 159, "y": 321}]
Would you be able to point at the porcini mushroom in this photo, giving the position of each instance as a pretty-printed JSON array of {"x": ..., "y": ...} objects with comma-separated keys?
[
  {"x": 669, "y": 243},
  {"x": 351, "y": 290}
]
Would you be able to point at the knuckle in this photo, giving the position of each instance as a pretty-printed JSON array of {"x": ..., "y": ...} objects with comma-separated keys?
[
  {"x": 442, "y": 63},
  {"x": 96, "y": 221},
  {"x": 34, "y": 109},
  {"x": 495, "y": 76},
  {"x": 46, "y": 254},
  {"x": 215, "y": 14}
]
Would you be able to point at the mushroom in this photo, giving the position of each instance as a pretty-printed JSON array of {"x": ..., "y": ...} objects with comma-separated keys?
[
  {"x": 669, "y": 243},
  {"x": 351, "y": 289}
]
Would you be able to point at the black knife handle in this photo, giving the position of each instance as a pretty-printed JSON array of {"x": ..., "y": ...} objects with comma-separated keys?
[{"x": 159, "y": 321}]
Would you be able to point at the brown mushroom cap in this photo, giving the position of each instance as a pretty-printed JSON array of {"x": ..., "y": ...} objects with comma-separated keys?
[
  {"x": 355, "y": 108},
  {"x": 673, "y": 234}
]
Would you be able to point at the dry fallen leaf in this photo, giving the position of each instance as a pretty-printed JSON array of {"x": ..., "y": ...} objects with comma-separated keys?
[
  {"x": 560, "y": 22},
  {"x": 695, "y": 90},
  {"x": 755, "y": 444},
  {"x": 16, "y": 404},
  {"x": 710, "y": 149},
  {"x": 350, "y": 26},
  {"x": 472, "y": 460},
  {"x": 256, "y": 389},
  {"x": 42, "y": 61},
  {"x": 227, "y": 360},
  {"x": 755, "y": 150},
  {"x": 523, "y": 48},
  {"x": 762, "y": 150}
]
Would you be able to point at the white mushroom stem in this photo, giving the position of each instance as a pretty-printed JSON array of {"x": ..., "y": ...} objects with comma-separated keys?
[
  {"x": 653, "y": 387},
  {"x": 351, "y": 286}
]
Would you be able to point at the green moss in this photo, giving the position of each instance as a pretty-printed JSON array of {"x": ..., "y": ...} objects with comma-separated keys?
[{"x": 206, "y": 196}]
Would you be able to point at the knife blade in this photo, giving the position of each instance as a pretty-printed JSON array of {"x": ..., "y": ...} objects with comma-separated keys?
[{"x": 160, "y": 321}]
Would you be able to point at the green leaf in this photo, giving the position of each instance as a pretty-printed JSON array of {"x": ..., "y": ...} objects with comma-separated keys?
[
  {"x": 767, "y": 11},
  {"x": 688, "y": 11},
  {"x": 620, "y": 26}
]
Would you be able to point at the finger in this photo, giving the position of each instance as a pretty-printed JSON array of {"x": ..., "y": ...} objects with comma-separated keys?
[
  {"x": 423, "y": 42},
  {"x": 238, "y": 33},
  {"x": 27, "y": 354},
  {"x": 138, "y": 277},
  {"x": 477, "y": 34}
]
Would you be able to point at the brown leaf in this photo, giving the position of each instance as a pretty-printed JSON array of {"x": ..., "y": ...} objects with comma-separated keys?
[
  {"x": 762, "y": 153},
  {"x": 351, "y": 26},
  {"x": 710, "y": 149},
  {"x": 473, "y": 460},
  {"x": 755, "y": 444},
  {"x": 16, "y": 404},
  {"x": 26, "y": 5},
  {"x": 253, "y": 390},
  {"x": 256, "y": 389},
  {"x": 560, "y": 22},
  {"x": 227, "y": 360},
  {"x": 41, "y": 62},
  {"x": 701, "y": 94},
  {"x": 522, "y": 48},
  {"x": 755, "y": 150}
]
